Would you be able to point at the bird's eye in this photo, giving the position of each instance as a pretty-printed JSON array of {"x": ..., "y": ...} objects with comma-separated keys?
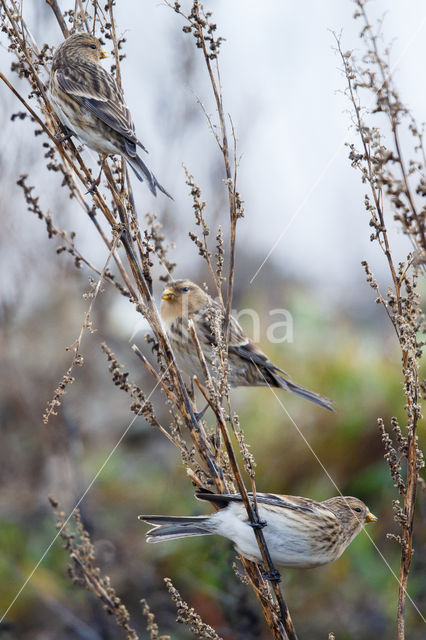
[
  {"x": 357, "y": 509},
  {"x": 93, "y": 46},
  {"x": 185, "y": 289}
]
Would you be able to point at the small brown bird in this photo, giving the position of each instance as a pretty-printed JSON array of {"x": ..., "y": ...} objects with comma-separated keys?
[
  {"x": 182, "y": 300},
  {"x": 299, "y": 532},
  {"x": 90, "y": 104}
]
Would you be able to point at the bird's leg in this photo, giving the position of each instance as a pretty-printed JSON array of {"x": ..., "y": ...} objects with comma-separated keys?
[
  {"x": 67, "y": 134},
  {"x": 260, "y": 524},
  {"x": 96, "y": 182},
  {"x": 63, "y": 138},
  {"x": 272, "y": 576}
]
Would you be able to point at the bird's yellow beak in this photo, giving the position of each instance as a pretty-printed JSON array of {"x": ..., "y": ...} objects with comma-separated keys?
[
  {"x": 370, "y": 517},
  {"x": 168, "y": 294},
  {"x": 103, "y": 54}
]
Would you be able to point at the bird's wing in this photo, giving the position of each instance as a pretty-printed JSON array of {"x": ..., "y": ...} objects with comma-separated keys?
[
  {"x": 243, "y": 347},
  {"x": 271, "y": 500},
  {"x": 238, "y": 343},
  {"x": 203, "y": 322},
  {"x": 236, "y": 336},
  {"x": 97, "y": 90}
]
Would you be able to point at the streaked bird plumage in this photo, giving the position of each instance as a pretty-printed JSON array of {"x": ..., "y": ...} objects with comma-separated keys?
[
  {"x": 299, "y": 532},
  {"x": 182, "y": 300},
  {"x": 90, "y": 104}
]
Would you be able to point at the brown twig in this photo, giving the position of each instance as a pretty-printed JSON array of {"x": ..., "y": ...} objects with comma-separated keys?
[
  {"x": 53, "y": 4},
  {"x": 219, "y": 466},
  {"x": 393, "y": 108},
  {"x": 402, "y": 302},
  {"x": 250, "y": 508}
]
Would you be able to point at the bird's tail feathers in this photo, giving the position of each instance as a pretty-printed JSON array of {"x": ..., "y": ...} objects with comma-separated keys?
[
  {"x": 322, "y": 401},
  {"x": 174, "y": 527},
  {"x": 142, "y": 172}
]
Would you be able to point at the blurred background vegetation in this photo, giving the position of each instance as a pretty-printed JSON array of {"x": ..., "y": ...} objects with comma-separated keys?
[
  {"x": 343, "y": 347},
  {"x": 351, "y": 359}
]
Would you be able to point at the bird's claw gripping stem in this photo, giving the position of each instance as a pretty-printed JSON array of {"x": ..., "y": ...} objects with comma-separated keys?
[
  {"x": 272, "y": 576},
  {"x": 260, "y": 524}
]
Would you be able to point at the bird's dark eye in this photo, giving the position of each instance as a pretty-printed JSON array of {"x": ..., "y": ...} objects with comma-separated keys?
[
  {"x": 357, "y": 509},
  {"x": 93, "y": 46},
  {"x": 185, "y": 289}
]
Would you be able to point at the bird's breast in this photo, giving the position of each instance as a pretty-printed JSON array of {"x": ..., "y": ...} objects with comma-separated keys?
[{"x": 290, "y": 542}]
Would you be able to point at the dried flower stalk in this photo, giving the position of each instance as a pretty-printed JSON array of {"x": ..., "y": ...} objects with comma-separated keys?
[
  {"x": 392, "y": 184},
  {"x": 211, "y": 461}
]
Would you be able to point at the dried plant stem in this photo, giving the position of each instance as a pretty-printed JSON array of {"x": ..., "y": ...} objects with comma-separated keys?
[
  {"x": 209, "y": 463},
  {"x": 286, "y": 621},
  {"x": 386, "y": 86},
  {"x": 224, "y": 147},
  {"x": 198, "y": 21},
  {"x": 53, "y": 4},
  {"x": 67, "y": 159},
  {"x": 407, "y": 537},
  {"x": 402, "y": 302},
  {"x": 82, "y": 569}
]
